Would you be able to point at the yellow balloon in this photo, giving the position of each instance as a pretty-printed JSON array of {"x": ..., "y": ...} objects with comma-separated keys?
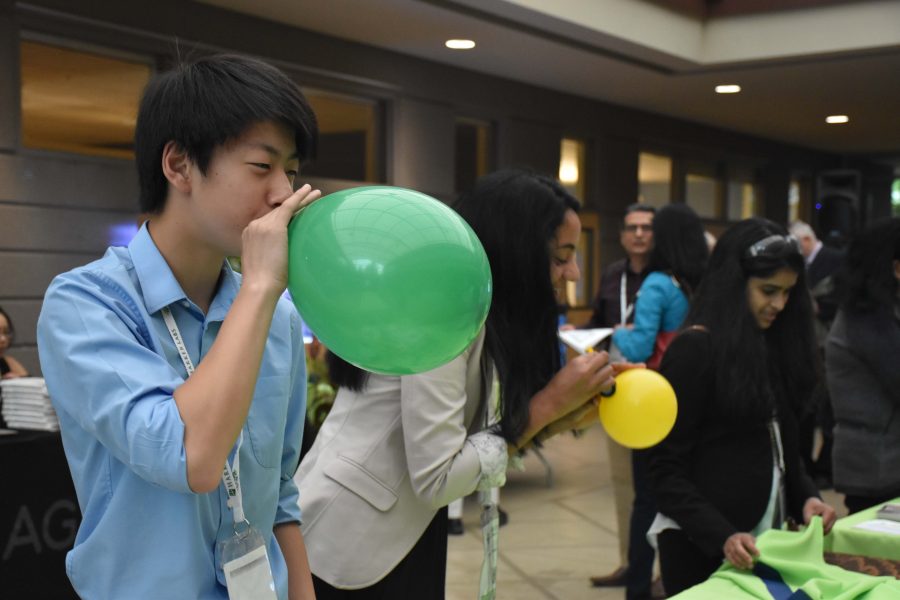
[{"x": 642, "y": 411}]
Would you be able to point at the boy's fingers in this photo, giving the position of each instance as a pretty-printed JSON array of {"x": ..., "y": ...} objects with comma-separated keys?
[{"x": 298, "y": 200}]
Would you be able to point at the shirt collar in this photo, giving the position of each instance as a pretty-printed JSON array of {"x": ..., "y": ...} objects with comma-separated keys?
[
  {"x": 630, "y": 271},
  {"x": 815, "y": 251},
  {"x": 158, "y": 283}
]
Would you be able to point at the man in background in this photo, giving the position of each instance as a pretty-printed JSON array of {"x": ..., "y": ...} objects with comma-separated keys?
[
  {"x": 614, "y": 305},
  {"x": 821, "y": 264}
]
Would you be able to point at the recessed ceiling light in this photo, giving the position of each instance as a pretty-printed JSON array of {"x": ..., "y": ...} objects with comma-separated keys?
[
  {"x": 460, "y": 44},
  {"x": 728, "y": 89},
  {"x": 837, "y": 119}
]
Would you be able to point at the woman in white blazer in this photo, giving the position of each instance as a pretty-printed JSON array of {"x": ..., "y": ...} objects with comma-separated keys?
[{"x": 394, "y": 451}]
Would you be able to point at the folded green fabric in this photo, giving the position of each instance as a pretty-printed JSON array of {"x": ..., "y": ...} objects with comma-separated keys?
[{"x": 791, "y": 567}]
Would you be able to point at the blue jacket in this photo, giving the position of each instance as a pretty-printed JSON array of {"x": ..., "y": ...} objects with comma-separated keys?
[{"x": 660, "y": 306}]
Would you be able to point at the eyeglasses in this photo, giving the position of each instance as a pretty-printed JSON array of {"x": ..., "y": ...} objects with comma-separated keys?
[
  {"x": 774, "y": 246},
  {"x": 631, "y": 228}
]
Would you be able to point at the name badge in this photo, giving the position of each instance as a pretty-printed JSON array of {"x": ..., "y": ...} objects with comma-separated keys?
[{"x": 248, "y": 575}]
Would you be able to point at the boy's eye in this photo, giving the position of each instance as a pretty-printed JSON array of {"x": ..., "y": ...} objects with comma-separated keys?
[
  {"x": 292, "y": 173},
  {"x": 264, "y": 166}
]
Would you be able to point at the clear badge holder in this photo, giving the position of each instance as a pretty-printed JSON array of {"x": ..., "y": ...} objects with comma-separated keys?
[{"x": 248, "y": 575}]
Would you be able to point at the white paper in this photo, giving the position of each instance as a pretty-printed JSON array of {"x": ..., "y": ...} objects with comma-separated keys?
[
  {"x": 880, "y": 526},
  {"x": 582, "y": 339}
]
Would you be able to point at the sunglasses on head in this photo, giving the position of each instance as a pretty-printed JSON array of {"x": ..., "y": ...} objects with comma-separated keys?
[{"x": 774, "y": 246}]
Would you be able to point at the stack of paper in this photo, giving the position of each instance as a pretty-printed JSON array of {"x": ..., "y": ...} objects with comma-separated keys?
[
  {"x": 26, "y": 404},
  {"x": 584, "y": 340}
]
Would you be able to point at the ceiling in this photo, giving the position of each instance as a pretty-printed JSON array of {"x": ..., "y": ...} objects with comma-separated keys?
[{"x": 796, "y": 65}]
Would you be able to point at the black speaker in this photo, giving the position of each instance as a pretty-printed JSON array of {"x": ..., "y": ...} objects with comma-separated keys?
[{"x": 837, "y": 205}]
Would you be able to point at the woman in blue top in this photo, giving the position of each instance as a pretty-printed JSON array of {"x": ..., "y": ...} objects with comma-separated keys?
[{"x": 676, "y": 265}]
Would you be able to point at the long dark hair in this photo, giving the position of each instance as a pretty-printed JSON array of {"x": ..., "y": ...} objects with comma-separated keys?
[
  {"x": 515, "y": 214},
  {"x": 756, "y": 368},
  {"x": 866, "y": 280},
  {"x": 679, "y": 246}
]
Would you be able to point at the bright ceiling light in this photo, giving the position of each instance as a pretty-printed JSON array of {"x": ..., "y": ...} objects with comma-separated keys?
[
  {"x": 460, "y": 44},
  {"x": 837, "y": 119},
  {"x": 728, "y": 89}
]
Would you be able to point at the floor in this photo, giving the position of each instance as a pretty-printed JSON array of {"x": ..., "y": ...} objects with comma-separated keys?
[{"x": 557, "y": 536}]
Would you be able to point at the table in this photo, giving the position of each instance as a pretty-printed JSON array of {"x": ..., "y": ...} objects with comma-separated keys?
[
  {"x": 846, "y": 538},
  {"x": 793, "y": 560},
  {"x": 39, "y": 517}
]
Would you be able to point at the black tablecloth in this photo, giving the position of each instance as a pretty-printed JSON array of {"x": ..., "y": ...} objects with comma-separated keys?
[{"x": 38, "y": 517}]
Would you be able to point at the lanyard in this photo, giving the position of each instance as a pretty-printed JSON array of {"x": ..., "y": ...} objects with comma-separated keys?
[
  {"x": 625, "y": 308},
  {"x": 778, "y": 457},
  {"x": 490, "y": 513},
  {"x": 230, "y": 474}
]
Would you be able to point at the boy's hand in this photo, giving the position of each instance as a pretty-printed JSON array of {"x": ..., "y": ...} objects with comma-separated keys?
[{"x": 264, "y": 256}]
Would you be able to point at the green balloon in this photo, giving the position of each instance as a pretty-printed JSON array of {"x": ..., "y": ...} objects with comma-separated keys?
[{"x": 389, "y": 279}]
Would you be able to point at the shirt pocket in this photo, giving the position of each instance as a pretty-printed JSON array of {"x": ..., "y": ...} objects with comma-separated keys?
[
  {"x": 361, "y": 482},
  {"x": 266, "y": 421}
]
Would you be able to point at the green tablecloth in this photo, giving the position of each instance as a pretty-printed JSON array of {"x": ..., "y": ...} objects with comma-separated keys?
[
  {"x": 846, "y": 537},
  {"x": 793, "y": 562}
]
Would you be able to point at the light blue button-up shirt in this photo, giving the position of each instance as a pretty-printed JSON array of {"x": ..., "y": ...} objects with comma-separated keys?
[{"x": 111, "y": 368}]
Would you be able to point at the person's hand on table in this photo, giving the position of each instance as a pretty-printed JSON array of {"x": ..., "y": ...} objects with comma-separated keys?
[
  {"x": 740, "y": 550},
  {"x": 816, "y": 507}
]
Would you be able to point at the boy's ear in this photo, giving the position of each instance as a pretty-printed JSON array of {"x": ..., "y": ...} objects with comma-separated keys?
[{"x": 176, "y": 166}]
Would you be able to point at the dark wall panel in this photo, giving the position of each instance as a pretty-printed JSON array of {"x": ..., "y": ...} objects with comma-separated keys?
[
  {"x": 422, "y": 155},
  {"x": 529, "y": 144},
  {"x": 69, "y": 181},
  {"x": 38, "y": 229},
  {"x": 27, "y": 274},
  {"x": 9, "y": 88}
]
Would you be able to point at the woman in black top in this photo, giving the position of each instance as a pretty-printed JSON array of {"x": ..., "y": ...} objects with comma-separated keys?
[
  {"x": 9, "y": 366},
  {"x": 742, "y": 370}
]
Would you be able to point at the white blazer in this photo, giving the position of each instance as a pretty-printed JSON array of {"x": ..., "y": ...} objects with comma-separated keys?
[{"x": 385, "y": 460}]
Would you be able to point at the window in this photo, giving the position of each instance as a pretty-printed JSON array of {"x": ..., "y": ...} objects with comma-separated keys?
[
  {"x": 579, "y": 293},
  {"x": 349, "y": 138},
  {"x": 654, "y": 179},
  {"x": 79, "y": 101},
  {"x": 794, "y": 201},
  {"x": 474, "y": 151},
  {"x": 741, "y": 200},
  {"x": 571, "y": 166}
]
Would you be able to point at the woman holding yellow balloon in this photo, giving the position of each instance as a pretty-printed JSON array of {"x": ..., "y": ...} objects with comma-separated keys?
[
  {"x": 742, "y": 370},
  {"x": 395, "y": 450}
]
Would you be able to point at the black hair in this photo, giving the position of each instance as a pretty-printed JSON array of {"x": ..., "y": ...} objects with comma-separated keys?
[
  {"x": 515, "y": 213},
  {"x": 12, "y": 329},
  {"x": 756, "y": 368},
  {"x": 638, "y": 207},
  {"x": 866, "y": 281},
  {"x": 679, "y": 246},
  {"x": 203, "y": 104}
]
